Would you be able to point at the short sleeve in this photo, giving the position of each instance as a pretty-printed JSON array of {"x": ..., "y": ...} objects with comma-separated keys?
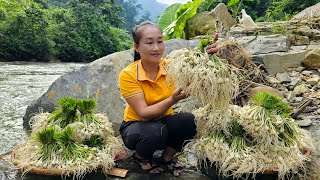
[{"x": 129, "y": 85}]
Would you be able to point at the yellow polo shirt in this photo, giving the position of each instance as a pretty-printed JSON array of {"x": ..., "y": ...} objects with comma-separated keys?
[{"x": 133, "y": 80}]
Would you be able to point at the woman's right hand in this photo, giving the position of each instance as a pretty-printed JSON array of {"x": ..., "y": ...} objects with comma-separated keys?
[
  {"x": 212, "y": 48},
  {"x": 179, "y": 94}
]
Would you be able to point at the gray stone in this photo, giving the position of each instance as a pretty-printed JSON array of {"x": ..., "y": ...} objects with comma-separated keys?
[
  {"x": 299, "y": 48},
  {"x": 268, "y": 89},
  {"x": 314, "y": 117},
  {"x": 307, "y": 31},
  {"x": 263, "y": 28},
  {"x": 290, "y": 96},
  {"x": 283, "y": 77},
  {"x": 264, "y": 44},
  {"x": 301, "y": 40},
  {"x": 313, "y": 81},
  {"x": 176, "y": 44},
  {"x": 306, "y": 73},
  {"x": 295, "y": 81},
  {"x": 280, "y": 61},
  {"x": 312, "y": 59},
  {"x": 305, "y": 122},
  {"x": 308, "y": 13},
  {"x": 294, "y": 73},
  {"x": 273, "y": 80},
  {"x": 298, "y": 69},
  {"x": 298, "y": 99},
  {"x": 300, "y": 89},
  {"x": 314, "y": 46},
  {"x": 205, "y": 23}
]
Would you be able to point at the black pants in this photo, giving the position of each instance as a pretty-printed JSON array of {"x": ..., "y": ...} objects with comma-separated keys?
[{"x": 148, "y": 136}]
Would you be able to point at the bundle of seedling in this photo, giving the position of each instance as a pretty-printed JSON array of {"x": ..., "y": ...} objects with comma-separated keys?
[
  {"x": 72, "y": 140},
  {"x": 260, "y": 137},
  {"x": 207, "y": 78}
]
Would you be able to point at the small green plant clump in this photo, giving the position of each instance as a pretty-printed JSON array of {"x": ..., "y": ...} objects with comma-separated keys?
[
  {"x": 271, "y": 103},
  {"x": 204, "y": 42},
  {"x": 71, "y": 110}
]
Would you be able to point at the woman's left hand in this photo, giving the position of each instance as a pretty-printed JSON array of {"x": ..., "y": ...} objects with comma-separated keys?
[{"x": 179, "y": 94}]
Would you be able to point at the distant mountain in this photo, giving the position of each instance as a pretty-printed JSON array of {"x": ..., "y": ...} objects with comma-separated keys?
[{"x": 154, "y": 7}]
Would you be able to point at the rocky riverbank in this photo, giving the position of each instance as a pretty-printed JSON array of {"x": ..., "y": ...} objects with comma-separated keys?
[{"x": 288, "y": 52}]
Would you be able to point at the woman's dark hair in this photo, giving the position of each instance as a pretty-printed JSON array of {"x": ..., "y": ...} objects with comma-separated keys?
[{"x": 136, "y": 35}]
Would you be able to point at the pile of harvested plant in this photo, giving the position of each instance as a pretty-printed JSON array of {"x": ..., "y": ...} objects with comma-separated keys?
[
  {"x": 260, "y": 137},
  {"x": 72, "y": 140}
]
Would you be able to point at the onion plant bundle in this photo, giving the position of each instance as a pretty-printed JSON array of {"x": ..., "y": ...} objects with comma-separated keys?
[
  {"x": 268, "y": 119},
  {"x": 206, "y": 77},
  {"x": 229, "y": 150},
  {"x": 253, "y": 139},
  {"x": 208, "y": 120},
  {"x": 236, "y": 152},
  {"x": 71, "y": 110},
  {"x": 72, "y": 140}
]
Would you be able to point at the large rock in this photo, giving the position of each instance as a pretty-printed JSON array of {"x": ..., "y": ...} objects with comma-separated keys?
[
  {"x": 205, "y": 23},
  {"x": 311, "y": 33},
  {"x": 267, "y": 89},
  {"x": 175, "y": 44},
  {"x": 264, "y": 44},
  {"x": 301, "y": 89},
  {"x": 280, "y": 61},
  {"x": 312, "y": 12},
  {"x": 98, "y": 80},
  {"x": 312, "y": 59}
]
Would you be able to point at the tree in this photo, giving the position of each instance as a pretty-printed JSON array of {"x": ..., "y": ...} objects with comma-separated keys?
[
  {"x": 78, "y": 30},
  {"x": 24, "y": 31},
  {"x": 285, "y": 9},
  {"x": 87, "y": 31},
  {"x": 130, "y": 12}
]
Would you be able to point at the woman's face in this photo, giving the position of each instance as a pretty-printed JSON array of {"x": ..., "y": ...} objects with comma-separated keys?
[{"x": 151, "y": 45}]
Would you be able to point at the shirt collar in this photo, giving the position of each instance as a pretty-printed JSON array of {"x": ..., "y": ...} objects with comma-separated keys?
[{"x": 142, "y": 75}]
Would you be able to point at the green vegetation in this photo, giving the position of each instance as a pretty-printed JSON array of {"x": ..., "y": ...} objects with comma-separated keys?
[
  {"x": 173, "y": 19},
  {"x": 204, "y": 42},
  {"x": 49, "y": 143},
  {"x": 272, "y": 103},
  {"x": 65, "y": 30},
  {"x": 71, "y": 110},
  {"x": 84, "y": 30},
  {"x": 70, "y": 148},
  {"x": 173, "y": 22},
  {"x": 94, "y": 141}
]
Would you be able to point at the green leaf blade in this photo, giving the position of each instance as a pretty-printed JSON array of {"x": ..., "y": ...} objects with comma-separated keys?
[{"x": 168, "y": 16}]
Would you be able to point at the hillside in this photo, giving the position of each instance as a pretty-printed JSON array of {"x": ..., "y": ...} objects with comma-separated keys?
[{"x": 155, "y": 8}]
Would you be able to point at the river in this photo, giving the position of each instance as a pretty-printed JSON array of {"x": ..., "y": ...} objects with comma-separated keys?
[{"x": 20, "y": 84}]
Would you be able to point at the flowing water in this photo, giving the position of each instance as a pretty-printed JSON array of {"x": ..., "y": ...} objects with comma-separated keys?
[{"x": 20, "y": 84}]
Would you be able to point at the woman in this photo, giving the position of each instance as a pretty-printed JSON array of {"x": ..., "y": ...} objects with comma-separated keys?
[{"x": 149, "y": 123}]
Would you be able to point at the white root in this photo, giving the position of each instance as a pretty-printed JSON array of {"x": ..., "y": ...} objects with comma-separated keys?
[{"x": 29, "y": 152}]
